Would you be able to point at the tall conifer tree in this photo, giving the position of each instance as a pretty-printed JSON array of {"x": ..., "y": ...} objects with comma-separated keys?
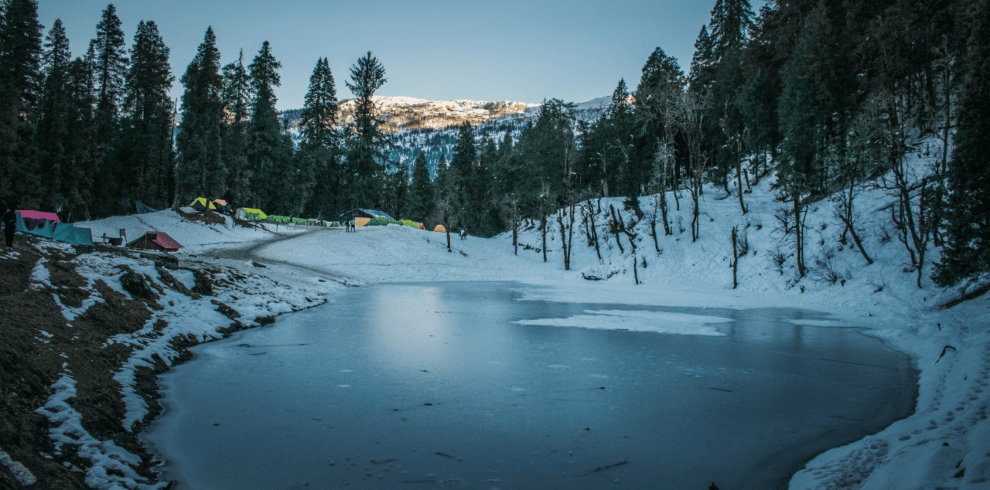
[
  {"x": 200, "y": 170},
  {"x": 269, "y": 149},
  {"x": 967, "y": 216},
  {"x": 52, "y": 135},
  {"x": 318, "y": 124},
  {"x": 366, "y": 159},
  {"x": 146, "y": 152},
  {"x": 20, "y": 80},
  {"x": 236, "y": 100}
]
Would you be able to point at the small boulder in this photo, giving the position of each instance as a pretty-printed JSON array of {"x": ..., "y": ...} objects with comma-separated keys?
[
  {"x": 204, "y": 283},
  {"x": 226, "y": 310},
  {"x": 136, "y": 284}
]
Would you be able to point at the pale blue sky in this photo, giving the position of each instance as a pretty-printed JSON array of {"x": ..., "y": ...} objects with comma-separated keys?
[{"x": 518, "y": 50}]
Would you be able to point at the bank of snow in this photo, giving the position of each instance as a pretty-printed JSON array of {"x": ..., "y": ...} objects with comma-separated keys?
[{"x": 946, "y": 443}]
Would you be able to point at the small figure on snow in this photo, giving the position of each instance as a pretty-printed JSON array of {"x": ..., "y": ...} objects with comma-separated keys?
[
  {"x": 9, "y": 223},
  {"x": 353, "y": 229},
  {"x": 464, "y": 234}
]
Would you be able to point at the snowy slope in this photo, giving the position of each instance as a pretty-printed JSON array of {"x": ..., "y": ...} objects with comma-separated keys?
[{"x": 945, "y": 444}]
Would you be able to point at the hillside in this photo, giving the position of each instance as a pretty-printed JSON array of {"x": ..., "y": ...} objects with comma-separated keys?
[{"x": 86, "y": 339}]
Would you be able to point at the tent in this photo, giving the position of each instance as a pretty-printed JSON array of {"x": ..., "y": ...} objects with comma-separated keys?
[
  {"x": 49, "y": 228},
  {"x": 220, "y": 205},
  {"x": 155, "y": 240},
  {"x": 440, "y": 229},
  {"x": 362, "y": 213},
  {"x": 201, "y": 203},
  {"x": 143, "y": 208},
  {"x": 249, "y": 213},
  {"x": 135, "y": 207},
  {"x": 26, "y": 214}
]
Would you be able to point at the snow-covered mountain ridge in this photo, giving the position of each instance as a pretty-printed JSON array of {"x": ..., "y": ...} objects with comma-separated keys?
[{"x": 429, "y": 127}]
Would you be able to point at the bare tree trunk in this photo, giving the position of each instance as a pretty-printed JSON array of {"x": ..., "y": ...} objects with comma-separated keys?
[
  {"x": 563, "y": 239},
  {"x": 735, "y": 258},
  {"x": 543, "y": 233},
  {"x": 798, "y": 236},
  {"x": 615, "y": 228},
  {"x": 739, "y": 185},
  {"x": 594, "y": 229}
]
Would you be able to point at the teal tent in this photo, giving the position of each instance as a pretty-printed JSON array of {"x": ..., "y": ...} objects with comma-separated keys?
[{"x": 62, "y": 232}]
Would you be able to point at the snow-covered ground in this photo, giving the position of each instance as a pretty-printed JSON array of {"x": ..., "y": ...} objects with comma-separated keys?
[{"x": 945, "y": 444}]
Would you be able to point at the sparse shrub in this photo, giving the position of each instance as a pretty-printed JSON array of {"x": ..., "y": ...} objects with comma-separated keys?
[
  {"x": 742, "y": 243},
  {"x": 825, "y": 268},
  {"x": 778, "y": 258}
]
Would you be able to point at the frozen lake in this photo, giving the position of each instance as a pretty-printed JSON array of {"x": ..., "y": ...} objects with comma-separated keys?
[{"x": 465, "y": 385}]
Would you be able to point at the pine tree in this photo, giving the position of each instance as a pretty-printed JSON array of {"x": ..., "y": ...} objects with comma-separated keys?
[
  {"x": 320, "y": 148},
  {"x": 318, "y": 120},
  {"x": 200, "y": 170},
  {"x": 236, "y": 99},
  {"x": 967, "y": 215},
  {"x": 110, "y": 67},
  {"x": 20, "y": 83},
  {"x": 805, "y": 121},
  {"x": 79, "y": 176},
  {"x": 365, "y": 160},
  {"x": 237, "y": 94},
  {"x": 52, "y": 135},
  {"x": 421, "y": 191},
  {"x": 111, "y": 71},
  {"x": 147, "y": 122},
  {"x": 268, "y": 152}
]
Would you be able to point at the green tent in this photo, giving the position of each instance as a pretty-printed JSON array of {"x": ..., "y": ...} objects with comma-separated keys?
[{"x": 62, "y": 232}]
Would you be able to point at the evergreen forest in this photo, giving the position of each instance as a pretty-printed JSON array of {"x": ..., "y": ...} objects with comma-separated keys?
[{"x": 824, "y": 97}]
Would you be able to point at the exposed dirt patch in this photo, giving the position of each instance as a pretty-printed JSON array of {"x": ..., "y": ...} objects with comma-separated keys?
[{"x": 207, "y": 216}]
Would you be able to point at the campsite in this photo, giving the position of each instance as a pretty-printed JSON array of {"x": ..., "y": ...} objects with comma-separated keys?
[{"x": 722, "y": 244}]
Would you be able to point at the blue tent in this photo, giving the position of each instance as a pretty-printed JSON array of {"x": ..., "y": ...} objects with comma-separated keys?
[{"x": 62, "y": 232}]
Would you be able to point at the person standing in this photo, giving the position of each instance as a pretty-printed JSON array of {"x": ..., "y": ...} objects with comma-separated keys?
[{"x": 9, "y": 224}]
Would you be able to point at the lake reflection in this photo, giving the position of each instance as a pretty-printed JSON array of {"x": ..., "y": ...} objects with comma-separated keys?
[{"x": 436, "y": 385}]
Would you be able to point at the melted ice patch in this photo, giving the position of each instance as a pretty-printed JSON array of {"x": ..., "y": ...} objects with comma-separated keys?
[{"x": 638, "y": 321}]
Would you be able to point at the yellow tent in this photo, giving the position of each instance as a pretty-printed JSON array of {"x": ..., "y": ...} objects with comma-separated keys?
[
  {"x": 440, "y": 229},
  {"x": 359, "y": 221},
  {"x": 259, "y": 214},
  {"x": 201, "y": 203}
]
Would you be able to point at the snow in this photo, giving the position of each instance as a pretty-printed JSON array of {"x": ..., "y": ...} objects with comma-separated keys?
[
  {"x": 950, "y": 347},
  {"x": 108, "y": 459}
]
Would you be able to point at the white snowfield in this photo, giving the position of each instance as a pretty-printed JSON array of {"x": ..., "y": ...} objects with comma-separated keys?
[{"x": 945, "y": 444}]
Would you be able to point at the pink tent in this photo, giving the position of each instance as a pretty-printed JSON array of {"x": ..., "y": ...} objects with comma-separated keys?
[
  {"x": 155, "y": 240},
  {"x": 39, "y": 215}
]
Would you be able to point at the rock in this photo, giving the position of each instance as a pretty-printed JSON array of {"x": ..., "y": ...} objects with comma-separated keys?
[
  {"x": 259, "y": 264},
  {"x": 227, "y": 311},
  {"x": 265, "y": 320},
  {"x": 204, "y": 283},
  {"x": 136, "y": 284},
  {"x": 170, "y": 281}
]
